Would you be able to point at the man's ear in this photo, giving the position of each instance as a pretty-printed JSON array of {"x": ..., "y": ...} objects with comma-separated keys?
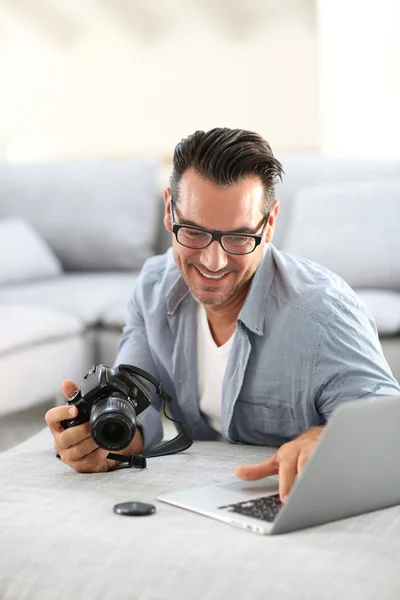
[
  {"x": 167, "y": 213},
  {"x": 272, "y": 222}
]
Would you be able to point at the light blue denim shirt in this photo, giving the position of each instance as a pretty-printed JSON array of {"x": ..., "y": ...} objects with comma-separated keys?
[{"x": 303, "y": 344}]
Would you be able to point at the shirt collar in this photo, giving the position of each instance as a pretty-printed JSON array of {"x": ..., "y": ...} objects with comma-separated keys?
[
  {"x": 252, "y": 314},
  {"x": 176, "y": 293}
]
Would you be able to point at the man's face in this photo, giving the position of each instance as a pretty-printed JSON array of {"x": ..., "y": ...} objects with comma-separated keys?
[{"x": 214, "y": 276}]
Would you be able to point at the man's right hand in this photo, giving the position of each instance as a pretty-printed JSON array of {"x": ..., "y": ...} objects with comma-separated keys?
[{"x": 75, "y": 445}]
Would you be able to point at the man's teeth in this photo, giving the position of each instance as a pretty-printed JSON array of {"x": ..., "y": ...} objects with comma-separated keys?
[{"x": 212, "y": 276}]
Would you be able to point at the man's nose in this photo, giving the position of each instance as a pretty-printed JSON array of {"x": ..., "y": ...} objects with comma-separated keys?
[{"x": 214, "y": 257}]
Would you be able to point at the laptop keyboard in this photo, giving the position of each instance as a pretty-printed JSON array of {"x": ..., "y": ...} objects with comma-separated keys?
[{"x": 264, "y": 509}]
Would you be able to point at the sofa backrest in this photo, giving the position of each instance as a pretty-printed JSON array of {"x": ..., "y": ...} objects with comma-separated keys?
[
  {"x": 107, "y": 215},
  {"x": 352, "y": 229},
  {"x": 306, "y": 171},
  {"x": 344, "y": 214},
  {"x": 95, "y": 215}
]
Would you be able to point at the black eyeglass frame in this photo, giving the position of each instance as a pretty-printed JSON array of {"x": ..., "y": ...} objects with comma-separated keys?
[{"x": 216, "y": 235}]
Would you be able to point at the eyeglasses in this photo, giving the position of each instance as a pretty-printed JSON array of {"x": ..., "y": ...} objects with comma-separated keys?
[{"x": 198, "y": 238}]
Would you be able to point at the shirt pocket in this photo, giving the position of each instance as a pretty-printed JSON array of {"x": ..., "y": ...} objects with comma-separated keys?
[{"x": 263, "y": 421}]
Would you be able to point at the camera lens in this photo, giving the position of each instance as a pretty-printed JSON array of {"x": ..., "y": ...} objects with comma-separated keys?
[
  {"x": 113, "y": 422},
  {"x": 113, "y": 432}
]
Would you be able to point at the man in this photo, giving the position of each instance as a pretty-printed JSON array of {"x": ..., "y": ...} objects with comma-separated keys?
[{"x": 253, "y": 343}]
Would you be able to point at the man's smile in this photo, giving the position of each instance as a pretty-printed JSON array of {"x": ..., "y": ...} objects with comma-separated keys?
[{"x": 214, "y": 276}]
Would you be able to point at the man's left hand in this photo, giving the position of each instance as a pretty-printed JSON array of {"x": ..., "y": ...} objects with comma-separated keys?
[{"x": 288, "y": 462}]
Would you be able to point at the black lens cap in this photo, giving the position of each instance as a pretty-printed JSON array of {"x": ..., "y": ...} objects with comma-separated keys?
[{"x": 134, "y": 509}]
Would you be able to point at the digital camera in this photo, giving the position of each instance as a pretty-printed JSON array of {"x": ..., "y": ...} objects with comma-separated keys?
[{"x": 110, "y": 398}]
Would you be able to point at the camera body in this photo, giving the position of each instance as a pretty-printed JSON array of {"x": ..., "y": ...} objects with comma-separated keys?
[{"x": 110, "y": 398}]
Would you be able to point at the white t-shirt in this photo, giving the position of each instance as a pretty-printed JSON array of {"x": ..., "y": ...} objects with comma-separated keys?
[{"x": 211, "y": 365}]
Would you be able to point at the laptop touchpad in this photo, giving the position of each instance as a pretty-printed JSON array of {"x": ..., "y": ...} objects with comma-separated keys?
[{"x": 252, "y": 489}]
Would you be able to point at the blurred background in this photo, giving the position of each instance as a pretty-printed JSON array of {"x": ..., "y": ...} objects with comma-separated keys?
[
  {"x": 103, "y": 78},
  {"x": 94, "y": 96}
]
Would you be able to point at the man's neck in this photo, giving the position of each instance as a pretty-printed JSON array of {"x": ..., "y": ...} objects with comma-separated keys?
[{"x": 222, "y": 318}]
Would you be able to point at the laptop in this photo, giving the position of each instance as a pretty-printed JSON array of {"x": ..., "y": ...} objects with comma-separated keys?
[{"x": 354, "y": 469}]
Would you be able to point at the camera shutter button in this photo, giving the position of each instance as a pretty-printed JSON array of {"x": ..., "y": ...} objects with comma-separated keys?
[{"x": 72, "y": 396}]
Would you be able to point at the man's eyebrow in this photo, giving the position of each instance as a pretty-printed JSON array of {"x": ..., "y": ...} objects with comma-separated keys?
[{"x": 193, "y": 224}]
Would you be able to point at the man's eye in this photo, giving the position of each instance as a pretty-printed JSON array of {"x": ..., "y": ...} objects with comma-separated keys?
[
  {"x": 193, "y": 234},
  {"x": 237, "y": 240}
]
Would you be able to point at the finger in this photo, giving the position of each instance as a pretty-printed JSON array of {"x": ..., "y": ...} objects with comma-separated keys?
[
  {"x": 55, "y": 415},
  {"x": 258, "y": 471},
  {"x": 68, "y": 386},
  {"x": 79, "y": 451},
  {"x": 302, "y": 461},
  {"x": 73, "y": 435},
  {"x": 287, "y": 474},
  {"x": 95, "y": 462}
]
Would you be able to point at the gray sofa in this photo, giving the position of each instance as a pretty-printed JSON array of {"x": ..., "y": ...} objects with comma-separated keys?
[
  {"x": 76, "y": 235},
  {"x": 73, "y": 237}
]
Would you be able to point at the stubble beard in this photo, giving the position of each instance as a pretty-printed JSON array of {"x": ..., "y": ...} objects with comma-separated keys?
[{"x": 216, "y": 301}]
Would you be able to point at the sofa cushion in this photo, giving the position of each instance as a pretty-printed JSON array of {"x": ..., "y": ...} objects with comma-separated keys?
[
  {"x": 38, "y": 349},
  {"x": 350, "y": 228},
  {"x": 23, "y": 325},
  {"x": 33, "y": 374},
  {"x": 86, "y": 295},
  {"x": 25, "y": 255},
  {"x": 385, "y": 307},
  {"x": 114, "y": 317},
  {"x": 303, "y": 171},
  {"x": 95, "y": 215}
]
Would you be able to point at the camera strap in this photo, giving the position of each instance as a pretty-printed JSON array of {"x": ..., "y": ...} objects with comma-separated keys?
[{"x": 178, "y": 444}]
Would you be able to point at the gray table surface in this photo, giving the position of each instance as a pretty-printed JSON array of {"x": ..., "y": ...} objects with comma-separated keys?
[{"x": 60, "y": 540}]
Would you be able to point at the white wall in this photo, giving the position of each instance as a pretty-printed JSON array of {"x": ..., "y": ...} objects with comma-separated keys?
[
  {"x": 111, "y": 90},
  {"x": 359, "y": 77}
]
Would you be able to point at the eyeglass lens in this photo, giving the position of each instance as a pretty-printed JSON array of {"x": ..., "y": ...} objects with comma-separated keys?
[{"x": 236, "y": 244}]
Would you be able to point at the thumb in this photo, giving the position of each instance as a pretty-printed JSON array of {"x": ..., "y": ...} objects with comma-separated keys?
[
  {"x": 267, "y": 467},
  {"x": 68, "y": 386}
]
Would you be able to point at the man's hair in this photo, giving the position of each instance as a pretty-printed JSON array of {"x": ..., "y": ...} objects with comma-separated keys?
[{"x": 225, "y": 157}]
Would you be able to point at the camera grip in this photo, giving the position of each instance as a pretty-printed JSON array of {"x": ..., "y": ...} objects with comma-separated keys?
[
  {"x": 67, "y": 423},
  {"x": 75, "y": 399}
]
